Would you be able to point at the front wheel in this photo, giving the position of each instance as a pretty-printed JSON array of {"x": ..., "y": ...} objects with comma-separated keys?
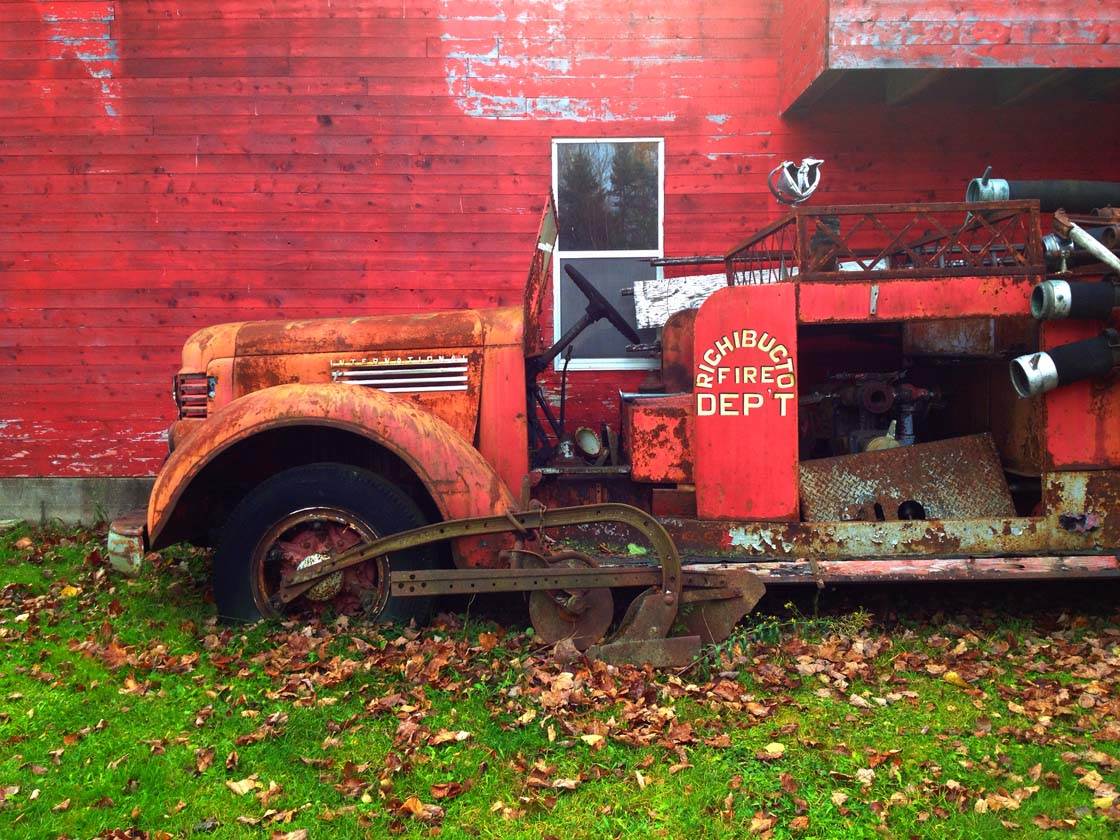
[{"x": 302, "y": 516}]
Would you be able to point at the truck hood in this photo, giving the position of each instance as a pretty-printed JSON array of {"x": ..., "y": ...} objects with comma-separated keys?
[{"x": 410, "y": 334}]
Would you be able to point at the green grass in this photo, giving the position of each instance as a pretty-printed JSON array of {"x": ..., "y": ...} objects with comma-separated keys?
[{"x": 112, "y": 689}]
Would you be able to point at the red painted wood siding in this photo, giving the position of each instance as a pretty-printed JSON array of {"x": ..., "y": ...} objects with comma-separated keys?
[
  {"x": 167, "y": 164},
  {"x": 830, "y": 35}
]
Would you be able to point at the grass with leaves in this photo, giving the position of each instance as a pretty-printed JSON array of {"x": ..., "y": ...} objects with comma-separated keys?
[{"x": 127, "y": 711}]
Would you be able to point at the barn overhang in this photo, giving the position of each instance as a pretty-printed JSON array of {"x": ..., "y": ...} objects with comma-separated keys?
[{"x": 895, "y": 51}]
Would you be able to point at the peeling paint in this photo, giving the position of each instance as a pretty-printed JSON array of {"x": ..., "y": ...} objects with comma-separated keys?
[
  {"x": 99, "y": 53},
  {"x": 719, "y": 119},
  {"x": 494, "y": 78}
]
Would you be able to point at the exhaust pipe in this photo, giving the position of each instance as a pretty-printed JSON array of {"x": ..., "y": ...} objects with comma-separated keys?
[
  {"x": 1053, "y": 299},
  {"x": 1037, "y": 373}
]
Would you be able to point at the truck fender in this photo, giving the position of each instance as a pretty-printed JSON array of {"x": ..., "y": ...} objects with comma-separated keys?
[{"x": 459, "y": 480}]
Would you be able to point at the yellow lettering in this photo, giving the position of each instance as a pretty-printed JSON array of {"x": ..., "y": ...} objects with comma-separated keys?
[{"x": 782, "y": 400}]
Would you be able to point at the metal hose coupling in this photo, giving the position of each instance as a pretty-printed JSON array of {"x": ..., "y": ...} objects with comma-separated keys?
[
  {"x": 1053, "y": 299},
  {"x": 1037, "y": 373}
]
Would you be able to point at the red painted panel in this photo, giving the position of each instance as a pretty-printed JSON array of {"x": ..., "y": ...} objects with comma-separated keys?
[
  {"x": 1083, "y": 418},
  {"x": 745, "y": 387},
  {"x": 896, "y": 300}
]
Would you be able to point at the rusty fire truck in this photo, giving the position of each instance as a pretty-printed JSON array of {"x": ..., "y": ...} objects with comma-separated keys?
[{"x": 838, "y": 410}]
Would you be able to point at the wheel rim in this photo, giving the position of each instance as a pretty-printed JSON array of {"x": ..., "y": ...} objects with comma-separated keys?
[{"x": 305, "y": 538}]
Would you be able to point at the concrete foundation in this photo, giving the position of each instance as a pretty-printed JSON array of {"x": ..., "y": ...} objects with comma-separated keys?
[{"x": 85, "y": 500}]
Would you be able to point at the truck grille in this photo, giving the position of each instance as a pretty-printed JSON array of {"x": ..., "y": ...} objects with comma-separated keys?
[
  {"x": 433, "y": 373},
  {"x": 191, "y": 391}
]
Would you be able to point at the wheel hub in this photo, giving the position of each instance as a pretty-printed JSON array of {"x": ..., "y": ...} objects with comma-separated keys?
[
  {"x": 328, "y": 587},
  {"x": 310, "y": 537}
]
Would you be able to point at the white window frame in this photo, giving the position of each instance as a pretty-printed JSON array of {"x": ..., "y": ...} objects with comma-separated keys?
[{"x": 626, "y": 362}]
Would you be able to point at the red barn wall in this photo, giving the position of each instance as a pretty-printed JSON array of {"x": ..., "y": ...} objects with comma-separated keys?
[{"x": 168, "y": 164}]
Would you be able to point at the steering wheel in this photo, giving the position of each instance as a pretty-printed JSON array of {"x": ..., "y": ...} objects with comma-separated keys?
[{"x": 598, "y": 306}]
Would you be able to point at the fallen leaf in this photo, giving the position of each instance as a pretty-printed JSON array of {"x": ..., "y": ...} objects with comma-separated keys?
[
  {"x": 203, "y": 758},
  {"x": 421, "y": 810},
  {"x": 446, "y": 790},
  {"x": 771, "y": 752},
  {"x": 953, "y": 678},
  {"x": 445, "y": 736},
  {"x": 243, "y": 786}
]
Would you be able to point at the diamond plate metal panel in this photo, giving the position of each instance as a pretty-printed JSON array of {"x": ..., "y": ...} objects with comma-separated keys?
[{"x": 959, "y": 478}]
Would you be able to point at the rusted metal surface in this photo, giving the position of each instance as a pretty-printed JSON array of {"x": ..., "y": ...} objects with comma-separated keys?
[
  {"x": 936, "y": 569},
  {"x": 1091, "y": 498},
  {"x": 522, "y": 522},
  {"x": 458, "y": 408},
  {"x": 676, "y": 351},
  {"x": 127, "y": 542},
  {"x": 580, "y": 615},
  {"x": 564, "y": 602},
  {"x": 673, "y": 502},
  {"x": 887, "y": 241},
  {"x": 970, "y": 337},
  {"x": 658, "y": 432},
  {"x": 537, "y": 286},
  {"x": 459, "y": 478},
  {"x": 958, "y": 478},
  {"x": 426, "y": 582},
  {"x": 713, "y": 619},
  {"x": 676, "y": 652},
  {"x": 1070, "y": 493},
  {"x": 862, "y": 300}
]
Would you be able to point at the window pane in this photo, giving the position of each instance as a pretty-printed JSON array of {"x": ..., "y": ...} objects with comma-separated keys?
[
  {"x": 607, "y": 196},
  {"x": 610, "y": 276}
]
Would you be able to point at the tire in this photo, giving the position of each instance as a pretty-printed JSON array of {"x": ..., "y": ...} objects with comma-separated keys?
[{"x": 373, "y": 507}]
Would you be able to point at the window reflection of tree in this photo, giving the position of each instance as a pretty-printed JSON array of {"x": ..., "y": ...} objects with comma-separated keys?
[{"x": 607, "y": 196}]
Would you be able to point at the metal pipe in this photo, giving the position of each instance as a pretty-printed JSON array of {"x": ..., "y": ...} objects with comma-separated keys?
[
  {"x": 1037, "y": 373},
  {"x": 1072, "y": 196},
  {"x": 1082, "y": 237},
  {"x": 1053, "y": 299}
]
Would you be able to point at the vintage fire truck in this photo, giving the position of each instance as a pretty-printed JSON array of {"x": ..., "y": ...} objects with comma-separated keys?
[{"x": 839, "y": 409}]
